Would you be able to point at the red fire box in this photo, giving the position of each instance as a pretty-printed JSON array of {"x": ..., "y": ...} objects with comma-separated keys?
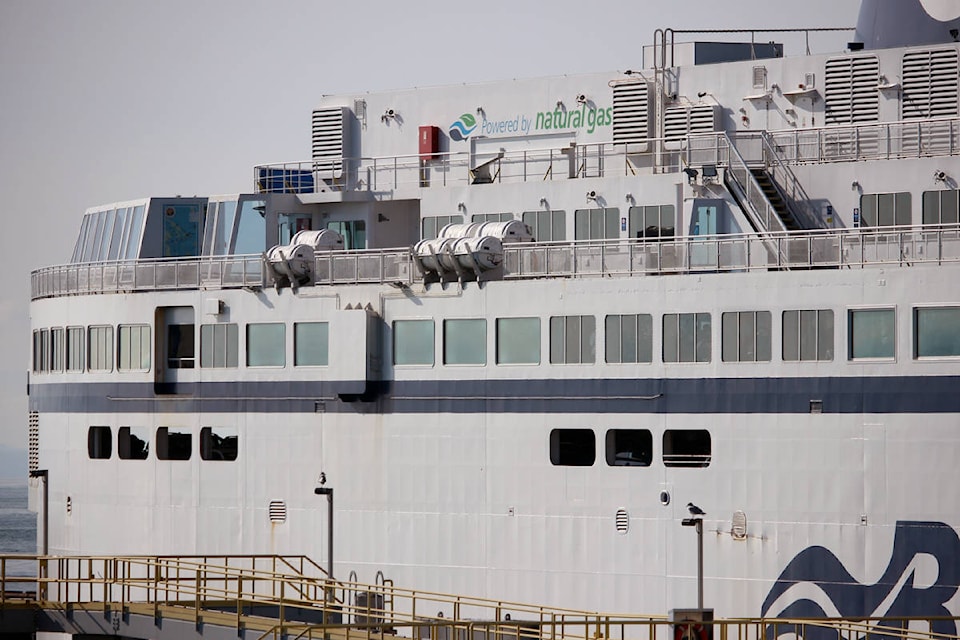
[{"x": 429, "y": 142}]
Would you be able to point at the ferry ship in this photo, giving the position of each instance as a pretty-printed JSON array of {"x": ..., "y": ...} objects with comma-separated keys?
[{"x": 524, "y": 330}]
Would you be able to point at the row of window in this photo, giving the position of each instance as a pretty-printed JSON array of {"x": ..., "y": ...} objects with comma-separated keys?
[
  {"x": 172, "y": 443},
  {"x": 589, "y": 224},
  {"x": 746, "y": 336},
  {"x": 895, "y": 209},
  {"x": 630, "y": 448}
]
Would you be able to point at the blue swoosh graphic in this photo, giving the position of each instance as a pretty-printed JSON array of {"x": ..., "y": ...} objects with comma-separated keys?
[{"x": 459, "y": 131}]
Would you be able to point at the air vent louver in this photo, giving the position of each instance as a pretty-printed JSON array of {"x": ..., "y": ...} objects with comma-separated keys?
[
  {"x": 680, "y": 122},
  {"x": 622, "y": 521},
  {"x": 739, "y": 526},
  {"x": 850, "y": 90},
  {"x": 34, "y": 441},
  {"x": 631, "y": 113},
  {"x": 329, "y": 141},
  {"x": 930, "y": 84},
  {"x": 278, "y": 511}
]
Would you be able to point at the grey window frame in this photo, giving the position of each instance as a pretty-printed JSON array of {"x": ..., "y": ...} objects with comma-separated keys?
[
  {"x": 934, "y": 203},
  {"x": 72, "y": 366},
  {"x": 901, "y": 213},
  {"x": 618, "y": 325},
  {"x": 917, "y": 346},
  {"x": 599, "y": 223},
  {"x": 809, "y": 340},
  {"x": 419, "y": 361},
  {"x": 299, "y": 358},
  {"x": 491, "y": 217},
  {"x": 637, "y": 217},
  {"x": 500, "y": 341},
  {"x": 548, "y": 225},
  {"x": 276, "y": 363},
  {"x": 561, "y": 454},
  {"x": 447, "y": 341},
  {"x": 103, "y": 342},
  {"x": 679, "y": 324},
  {"x": 617, "y": 447},
  {"x": 573, "y": 340},
  {"x": 851, "y": 334},
  {"x": 144, "y": 349},
  {"x": 438, "y": 222},
  {"x": 674, "y": 457},
  {"x": 742, "y": 338},
  {"x": 222, "y": 335}
]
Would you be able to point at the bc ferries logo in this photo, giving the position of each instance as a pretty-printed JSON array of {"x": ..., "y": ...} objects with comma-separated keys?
[
  {"x": 463, "y": 127},
  {"x": 923, "y": 575}
]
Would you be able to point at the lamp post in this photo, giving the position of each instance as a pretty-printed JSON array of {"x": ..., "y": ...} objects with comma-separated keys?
[
  {"x": 328, "y": 491},
  {"x": 698, "y": 523}
]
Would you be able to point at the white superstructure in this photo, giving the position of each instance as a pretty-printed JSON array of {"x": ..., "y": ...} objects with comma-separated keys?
[{"x": 541, "y": 318}]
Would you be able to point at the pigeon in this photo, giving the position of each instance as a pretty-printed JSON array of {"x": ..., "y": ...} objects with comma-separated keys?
[{"x": 695, "y": 510}]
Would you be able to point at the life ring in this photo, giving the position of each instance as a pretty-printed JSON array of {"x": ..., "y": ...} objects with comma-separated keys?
[{"x": 690, "y": 631}]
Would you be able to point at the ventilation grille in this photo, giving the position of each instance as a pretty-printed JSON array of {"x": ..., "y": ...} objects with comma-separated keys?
[
  {"x": 328, "y": 140},
  {"x": 739, "y": 528},
  {"x": 759, "y": 77},
  {"x": 929, "y": 84},
  {"x": 850, "y": 90},
  {"x": 278, "y": 511},
  {"x": 680, "y": 122},
  {"x": 631, "y": 112},
  {"x": 34, "y": 441},
  {"x": 622, "y": 521}
]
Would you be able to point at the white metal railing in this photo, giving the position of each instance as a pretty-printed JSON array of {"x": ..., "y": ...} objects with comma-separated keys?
[
  {"x": 757, "y": 205},
  {"x": 463, "y": 168},
  {"x": 786, "y": 181},
  {"x": 836, "y": 248}
]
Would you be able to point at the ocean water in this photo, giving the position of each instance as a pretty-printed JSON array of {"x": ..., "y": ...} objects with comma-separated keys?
[{"x": 18, "y": 529}]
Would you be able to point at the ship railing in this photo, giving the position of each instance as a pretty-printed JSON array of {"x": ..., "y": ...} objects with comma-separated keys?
[
  {"x": 391, "y": 173},
  {"x": 216, "y": 272}
]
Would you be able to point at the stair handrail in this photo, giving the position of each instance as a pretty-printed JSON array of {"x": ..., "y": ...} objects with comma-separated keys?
[
  {"x": 760, "y": 207},
  {"x": 786, "y": 180}
]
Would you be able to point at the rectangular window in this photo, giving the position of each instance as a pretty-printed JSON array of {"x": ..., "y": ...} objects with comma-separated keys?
[
  {"x": 629, "y": 448},
  {"x": 629, "y": 338},
  {"x": 75, "y": 350},
  {"x": 885, "y": 209},
  {"x": 573, "y": 447},
  {"x": 354, "y": 233},
  {"x": 686, "y": 337},
  {"x": 808, "y": 335},
  {"x": 547, "y": 226},
  {"x": 37, "y": 360},
  {"x": 941, "y": 207},
  {"x": 651, "y": 222},
  {"x": 57, "y": 349},
  {"x": 872, "y": 333},
  {"x": 311, "y": 344},
  {"x": 413, "y": 342},
  {"x": 686, "y": 448},
  {"x": 746, "y": 336},
  {"x": 573, "y": 340},
  {"x": 431, "y": 225},
  {"x": 173, "y": 444},
  {"x": 465, "y": 341},
  {"x": 181, "y": 348},
  {"x": 99, "y": 443},
  {"x": 936, "y": 332},
  {"x": 492, "y": 217},
  {"x": 266, "y": 344},
  {"x": 133, "y": 443},
  {"x": 219, "y": 345},
  {"x": 518, "y": 340},
  {"x": 218, "y": 444},
  {"x": 597, "y": 224},
  {"x": 45, "y": 350},
  {"x": 133, "y": 347},
  {"x": 100, "y": 348}
]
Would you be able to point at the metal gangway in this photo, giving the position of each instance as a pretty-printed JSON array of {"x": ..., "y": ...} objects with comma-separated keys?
[{"x": 258, "y": 597}]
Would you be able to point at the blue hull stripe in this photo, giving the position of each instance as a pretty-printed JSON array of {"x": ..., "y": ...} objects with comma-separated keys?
[{"x": 918, "y": 394}]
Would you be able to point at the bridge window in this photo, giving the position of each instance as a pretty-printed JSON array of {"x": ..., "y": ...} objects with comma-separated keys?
[
  {"x": 219, "y": 345},
  {"x": 100, "y": 348},
  {"x": 941, "y": 207},
  {"x": 657, "y": 221},
  {"x": 573, "y": 447},
  {"x": 431, "y": 225},
  {"x": 686, "y": 448},
  {"x": 174, "y": 444},
  {"x": 629, "y": 338},
  {"x": 218, "y": 444},
  {"x": 133, "y": 347},
  {"x": 354, "y": 233},
  {"x": 251, "y": 235},
  {"x": 573, "y": 340},
  {"x": 311, "y": 346},
  {"x": 37, "y": 351},
  {"x": 465, "y": 341},
  {"x": 266, "y": 345},
  {"x": 808, "y": 335},
  {"x": 547, "y": 226},
  {"x": 629, "y": 448},
  {"x": 219, "y": 226},
  {"x": 99, "y": 443},
  {"x": 75, "y": 348},
  {"x": 686, "y": 337},
  {"x": 746, "y": 336},
  {"x": 872, "y": 333},
  {"x": 885, "y": 209},
  {"x": 518, "y": 340},
  {"x": 936, "y": 332},
  {"x": 597, "y": 224},
  {"x": 413, "y": 342},
  {"x": 133, "y": 443}
]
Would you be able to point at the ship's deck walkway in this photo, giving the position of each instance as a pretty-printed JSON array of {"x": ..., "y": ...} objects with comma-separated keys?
[{"x": 259, "y": 597}]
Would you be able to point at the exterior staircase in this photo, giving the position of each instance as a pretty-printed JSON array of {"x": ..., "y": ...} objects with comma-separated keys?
[{"x": 773, "y": 195}]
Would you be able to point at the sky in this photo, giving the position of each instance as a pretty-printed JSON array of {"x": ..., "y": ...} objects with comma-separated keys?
[{"x": 109, "y": 100}]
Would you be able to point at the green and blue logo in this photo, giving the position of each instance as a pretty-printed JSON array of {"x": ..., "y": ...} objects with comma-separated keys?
[{"x": 463, "y": 127}]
